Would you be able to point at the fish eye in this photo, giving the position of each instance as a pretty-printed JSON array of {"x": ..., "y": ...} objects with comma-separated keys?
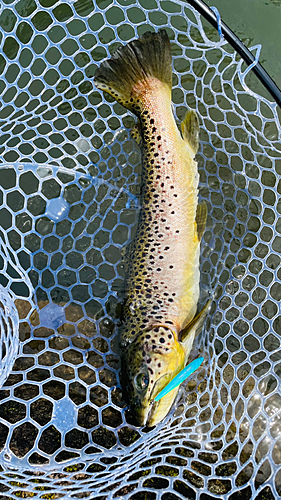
[{"x": 142, "y": 381}]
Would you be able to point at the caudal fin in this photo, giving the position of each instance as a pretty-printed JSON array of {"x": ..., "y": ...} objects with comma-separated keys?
[{"x": 133, "y": 66}]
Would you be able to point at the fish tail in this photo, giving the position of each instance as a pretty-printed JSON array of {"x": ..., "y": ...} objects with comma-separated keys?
[{"x": 134, "y": 68}]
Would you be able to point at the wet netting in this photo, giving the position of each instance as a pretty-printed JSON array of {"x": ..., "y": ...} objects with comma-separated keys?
[{"x": 70, "y": 180}]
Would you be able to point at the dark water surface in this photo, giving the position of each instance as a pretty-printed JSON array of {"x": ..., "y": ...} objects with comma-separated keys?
[{"x": 256, "y": 22}]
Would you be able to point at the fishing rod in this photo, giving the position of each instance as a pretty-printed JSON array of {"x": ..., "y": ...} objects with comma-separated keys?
[{"x": 239, "y": 46}]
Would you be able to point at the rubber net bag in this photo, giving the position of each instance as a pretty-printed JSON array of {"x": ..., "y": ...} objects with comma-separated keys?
[{"x": 70, "y": 182}]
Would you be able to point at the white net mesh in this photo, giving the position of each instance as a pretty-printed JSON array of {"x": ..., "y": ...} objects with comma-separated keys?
[{"x": 69, "y": 185}]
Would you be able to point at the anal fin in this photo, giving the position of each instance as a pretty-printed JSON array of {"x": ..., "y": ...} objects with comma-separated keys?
[
  {"x": 201, "y": 217},
  {"x": 196, "y": 324}
]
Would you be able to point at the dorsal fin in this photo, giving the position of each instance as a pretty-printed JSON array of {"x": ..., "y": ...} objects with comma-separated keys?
[
  {"x": 190, "y": 130},
  {"x": 201, "y": 216}
]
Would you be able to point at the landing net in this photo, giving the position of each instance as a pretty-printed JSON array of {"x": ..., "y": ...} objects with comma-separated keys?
[{"x": 69, "y": 187}]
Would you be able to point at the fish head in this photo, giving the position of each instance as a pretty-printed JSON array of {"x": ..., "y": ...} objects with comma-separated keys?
[{"x": 148, "y": 365}]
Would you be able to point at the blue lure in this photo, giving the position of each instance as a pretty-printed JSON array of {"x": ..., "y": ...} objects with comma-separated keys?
[{"x": 180, "y": 377}]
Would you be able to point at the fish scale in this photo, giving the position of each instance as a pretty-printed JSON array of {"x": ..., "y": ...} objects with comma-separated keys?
[{"x": 162, "y": 282}]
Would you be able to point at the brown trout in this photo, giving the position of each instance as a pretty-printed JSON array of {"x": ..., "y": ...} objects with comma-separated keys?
[{"x": 162, "y": 282}]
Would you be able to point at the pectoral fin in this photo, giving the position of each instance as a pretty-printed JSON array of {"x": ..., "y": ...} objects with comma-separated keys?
[
  {"x": 196, "y": 325},
  {"x": 190, "y": 130},
  {"x": 201, "y": 216},
  {"x": 136, "y": 133}
]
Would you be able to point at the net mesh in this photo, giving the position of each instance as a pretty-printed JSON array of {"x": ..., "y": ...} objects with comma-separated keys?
[{"x": 69, "y": 184}]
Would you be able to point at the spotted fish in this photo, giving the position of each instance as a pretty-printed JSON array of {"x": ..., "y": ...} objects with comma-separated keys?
[{"x": 162, "y": 283}]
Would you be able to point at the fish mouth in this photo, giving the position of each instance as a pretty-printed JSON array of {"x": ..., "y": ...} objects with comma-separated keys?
[
  {"x": 140, "y": 415},
  {"x": 144, "y": 415},
  {"x": 151, "y": 413},
  {"x": 151, "y": 421}
]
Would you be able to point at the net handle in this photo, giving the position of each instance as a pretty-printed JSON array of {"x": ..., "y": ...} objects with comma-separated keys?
[{"x": 240, "y": 48}]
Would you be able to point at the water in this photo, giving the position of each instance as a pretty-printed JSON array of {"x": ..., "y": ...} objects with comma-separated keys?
[{"x": 254, "y": 22}]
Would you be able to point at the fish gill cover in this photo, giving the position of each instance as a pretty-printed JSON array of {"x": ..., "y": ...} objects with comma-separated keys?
[{"x": 69, "y": 181}]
